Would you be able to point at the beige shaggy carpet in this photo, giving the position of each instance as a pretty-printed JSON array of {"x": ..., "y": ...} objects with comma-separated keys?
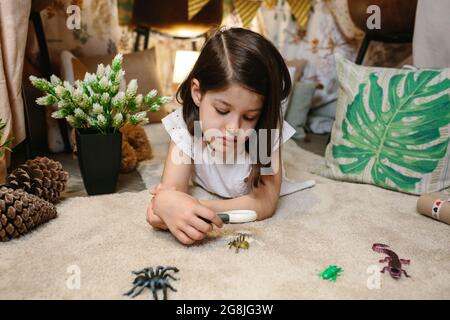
[{"x": 96, "y": 241}]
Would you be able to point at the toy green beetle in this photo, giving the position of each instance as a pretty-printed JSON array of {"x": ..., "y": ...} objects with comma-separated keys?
[{"x": 331, "y": 273}]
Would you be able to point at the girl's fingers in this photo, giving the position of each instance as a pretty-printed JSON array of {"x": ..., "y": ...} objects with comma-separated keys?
[
  {"x": 148, "y": 216},
  {"x": 201, "y": 225},
  {"x": 193, "y": 233},
  {"x": 182, "y": 237},
  {"x": 157, "y": 222},
  {"x": 154, "y": 220},
  {"x": 209, "y": 215}
]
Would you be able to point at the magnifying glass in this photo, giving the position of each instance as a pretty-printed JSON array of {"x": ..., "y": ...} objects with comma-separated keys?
[{"x": 236, "y": 216}]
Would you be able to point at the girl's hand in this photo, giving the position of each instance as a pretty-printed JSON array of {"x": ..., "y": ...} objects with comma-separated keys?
[
  {"x": 152, "y": 218},
  {"x": 182, "y": 214}
]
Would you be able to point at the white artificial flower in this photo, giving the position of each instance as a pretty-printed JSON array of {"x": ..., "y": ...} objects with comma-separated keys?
[
  {"x": 97, "y": 108},
  {"x": 78, "y": 93},
  {"x": 59, "y": 114},
  {"x": 117, "y": 62},
  {"x": 59, "y": 90},
  {"x": 149, "y": 97},
  {"x": 101, "y": 120},
  {"x": 119, "y": 100},
  {"x": 96, "y": 97},
  {"x": 140, "y": 116},
  {"x": 91, "y": 121},
  {"x": 46, "y": 100},
  {"x": 71, "y": 120},
  {"x": 42, "y": 101},
  {"x": 89, "y": 77},
  {"x": 105, "y": 98},
  {"x": 104, "y": 83},
  {"x": 152, "y": 94},
  {"x": 154, "y": 107},
  {"x": 85, "y": 101},
  {"x": 132, "y": 88},
  {"x": 108, "y": 71},
  {"x": 114, "y": 88},
  {"x": 78, "y": 96},
  {"x": 55, "y": 80},
  {"x": 61, "y": 104},
  {"x": 138, "y": 100},
  {"x": 119, "y": 76},
  {"x": 100, "y": 70},
  {"x": 79, "y": 113},
  {"x": 118, "y": 119},
  {"x": 79, "y": 84},
  {"x": 41, "y": 84},
  {"x": 68, "y": 87},
  {"x": 166, "y": 99}
]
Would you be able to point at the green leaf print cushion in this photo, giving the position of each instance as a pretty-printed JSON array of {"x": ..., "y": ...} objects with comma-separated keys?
[{"x": 392, "y": 128}]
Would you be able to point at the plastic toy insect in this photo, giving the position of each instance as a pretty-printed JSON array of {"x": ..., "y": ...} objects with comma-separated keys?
[
  {"x": 394, "y": 263},
  {"x": 331, "y": 273},
  {"x": 239, "y": 243},
  {"x": 153, "y": 280}
]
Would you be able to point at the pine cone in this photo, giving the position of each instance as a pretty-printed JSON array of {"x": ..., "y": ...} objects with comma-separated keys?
[
  {"x": 20, "y": 212},
  {"x": 41, "y": 176}
]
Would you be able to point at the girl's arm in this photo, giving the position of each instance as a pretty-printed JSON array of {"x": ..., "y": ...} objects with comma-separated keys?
[
  {"x": 177, "y": 169},
  {"x": 169, "y": 181},
  {"x": 173, "y": 208},
  {"x": 263, "y": 199},
  {"x": 175, "y": 176}
]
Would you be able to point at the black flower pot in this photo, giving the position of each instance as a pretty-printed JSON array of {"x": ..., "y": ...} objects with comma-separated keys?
[{"x": 99, "y": 158}]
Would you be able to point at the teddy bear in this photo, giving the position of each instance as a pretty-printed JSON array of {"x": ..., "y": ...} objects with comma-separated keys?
[{"x": 135, "y": 147}]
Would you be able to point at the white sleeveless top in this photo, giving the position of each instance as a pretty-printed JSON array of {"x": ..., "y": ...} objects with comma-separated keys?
[{"x": 225, "y": 180}]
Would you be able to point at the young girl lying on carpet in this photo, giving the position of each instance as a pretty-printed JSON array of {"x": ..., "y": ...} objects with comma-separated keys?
[{"x": 221, "y": 138}]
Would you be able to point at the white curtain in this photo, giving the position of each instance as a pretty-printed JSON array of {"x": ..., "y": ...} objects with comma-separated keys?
[
  {"x": 14, "y": 15},
  {"x": 431, "y": 44}
]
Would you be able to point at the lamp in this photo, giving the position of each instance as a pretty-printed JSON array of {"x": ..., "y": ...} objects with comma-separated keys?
[
  {"x": 397, "y": 18},
  {"x": 184, "y": 62},
  {"x": 170, "y": 18}
]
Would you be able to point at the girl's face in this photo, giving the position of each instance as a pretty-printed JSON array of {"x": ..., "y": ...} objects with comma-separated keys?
[{"x": 227, "y": 114}]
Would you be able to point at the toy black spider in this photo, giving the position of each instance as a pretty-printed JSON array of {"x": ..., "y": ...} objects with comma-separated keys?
[{"x": 153, "y": 280}]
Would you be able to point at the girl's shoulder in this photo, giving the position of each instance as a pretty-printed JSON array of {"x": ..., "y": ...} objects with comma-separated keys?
[
  {"x": 178, "y": 132},
  {"x": 175, "y": 118}
]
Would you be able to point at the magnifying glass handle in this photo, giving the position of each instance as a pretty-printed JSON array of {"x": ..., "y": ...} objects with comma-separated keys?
[{"x": 235, "y": 216}]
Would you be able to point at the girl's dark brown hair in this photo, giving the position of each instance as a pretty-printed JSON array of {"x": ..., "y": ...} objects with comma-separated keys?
[{"x": 243, "y": 57}]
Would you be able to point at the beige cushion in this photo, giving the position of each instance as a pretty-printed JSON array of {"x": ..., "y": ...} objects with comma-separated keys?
[
  {"x": 139, "y": 65},
  {"x": 391, "y": 128}
]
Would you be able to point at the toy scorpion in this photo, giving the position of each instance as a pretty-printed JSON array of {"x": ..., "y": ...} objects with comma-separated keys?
[
  {"x": 394, "y": 263},
  {"x": 153, "y": 280}
]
